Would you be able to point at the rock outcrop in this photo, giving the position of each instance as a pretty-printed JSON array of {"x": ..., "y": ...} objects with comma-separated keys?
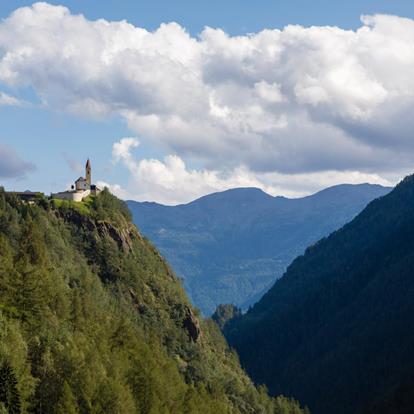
[
  {"x": 192, "y": 325},
  {"x": 123, "y": 236}
]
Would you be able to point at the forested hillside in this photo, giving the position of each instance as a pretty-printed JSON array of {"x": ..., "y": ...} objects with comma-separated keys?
[
  {"x": 92, "y": 320},
  {"x": 230, "y": 247},
  {"x": 337, "y": 330}
]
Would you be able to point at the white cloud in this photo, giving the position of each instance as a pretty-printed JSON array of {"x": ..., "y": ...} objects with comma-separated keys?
[
  {"x": 299, "y": 101},
  {"x": 7, "y": 100},
  {"x": 171, "y": 182},
  {"x": 122, "y": 151}
]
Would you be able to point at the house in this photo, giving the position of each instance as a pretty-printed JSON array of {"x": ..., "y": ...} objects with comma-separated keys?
[{"x": 27, "y": 196}]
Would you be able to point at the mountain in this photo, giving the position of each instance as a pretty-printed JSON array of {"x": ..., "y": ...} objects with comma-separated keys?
[
  {"x": 337, "y": 330},
  {"x": 93, "y": 320},
  {"x": 231, "y": 246}
]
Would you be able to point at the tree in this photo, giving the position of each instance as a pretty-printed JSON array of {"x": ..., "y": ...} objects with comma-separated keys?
[
  {"x": 67, "y": 402},
  {"x": 9, "y": 394}
]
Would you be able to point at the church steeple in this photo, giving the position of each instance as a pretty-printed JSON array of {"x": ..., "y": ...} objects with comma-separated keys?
[{"x": 88, "y": 172}]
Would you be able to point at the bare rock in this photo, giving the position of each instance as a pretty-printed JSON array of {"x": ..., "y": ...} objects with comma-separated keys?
[{"x": 192, "y": 325}]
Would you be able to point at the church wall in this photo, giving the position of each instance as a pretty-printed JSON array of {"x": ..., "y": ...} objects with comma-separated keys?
[
  {"x": 82, "y": 185},
  {"x": 72, "y": 195}
]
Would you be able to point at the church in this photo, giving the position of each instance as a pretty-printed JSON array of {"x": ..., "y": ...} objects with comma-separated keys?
[{"x": 83, "y": 187}]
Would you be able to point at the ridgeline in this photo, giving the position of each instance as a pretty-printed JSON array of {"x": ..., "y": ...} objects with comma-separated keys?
[
  {"x": 337, "y": 330},
  {"x": 230, "y": 247}
]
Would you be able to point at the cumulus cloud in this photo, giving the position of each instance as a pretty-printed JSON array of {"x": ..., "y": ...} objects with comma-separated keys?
[
  {"x": 11, "y": 165},
  {"x": 170, "y": 181},
  {"x": 294, "y": 101}
]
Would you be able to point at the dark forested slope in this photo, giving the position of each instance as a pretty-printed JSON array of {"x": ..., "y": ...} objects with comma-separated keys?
[
  {"x": 231, "y": 246},
  {"x": 92, "y": 320},
  {"x": 337, "y": 330}
]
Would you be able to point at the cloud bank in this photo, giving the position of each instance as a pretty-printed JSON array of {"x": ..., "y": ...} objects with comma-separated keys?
[
  {"x": 298, "y": 102},
  {"x": 171, "y": 181},
  {"x": 11, "y": 165}
]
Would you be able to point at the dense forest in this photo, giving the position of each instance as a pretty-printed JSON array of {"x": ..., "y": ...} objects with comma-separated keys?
[
  {"x": 231, "y": 246},
  {"x": 337, "y": 330},
  {"x": 92, "y": 320}
]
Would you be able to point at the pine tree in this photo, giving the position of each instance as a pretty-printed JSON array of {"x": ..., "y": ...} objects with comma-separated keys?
[
  {"x": 9, "y": 394},
  {"x": 67, "y": 402}
]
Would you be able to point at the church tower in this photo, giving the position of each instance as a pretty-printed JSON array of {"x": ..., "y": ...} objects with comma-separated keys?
[{"x": 88, "y": 173}]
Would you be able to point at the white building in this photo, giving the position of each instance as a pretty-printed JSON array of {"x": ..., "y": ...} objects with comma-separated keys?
[{"x": 83, "y": 187}]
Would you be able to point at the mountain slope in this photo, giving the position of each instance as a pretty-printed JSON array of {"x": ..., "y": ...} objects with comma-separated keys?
[
  {"x": 337, "y": 330},
  {"x": 230, "y": 247},
  {"x": 92, "y": 320}
]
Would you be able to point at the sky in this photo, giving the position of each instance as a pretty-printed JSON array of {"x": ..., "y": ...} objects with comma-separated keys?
[{"x": 172, "y": 100}]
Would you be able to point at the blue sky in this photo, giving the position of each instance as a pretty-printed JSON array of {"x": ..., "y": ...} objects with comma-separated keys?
[
  {"x": 234, "y": 16},
  {"x": 57, "y": 140}
]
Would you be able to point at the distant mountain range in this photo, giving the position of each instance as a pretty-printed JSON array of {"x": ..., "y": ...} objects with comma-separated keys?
[
  {"x": 337, "y": 330},
  {"x": 230, "y": 247}
]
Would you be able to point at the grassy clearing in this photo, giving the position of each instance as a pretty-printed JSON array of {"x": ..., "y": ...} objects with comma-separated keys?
[{"x": 83, "y": 207}]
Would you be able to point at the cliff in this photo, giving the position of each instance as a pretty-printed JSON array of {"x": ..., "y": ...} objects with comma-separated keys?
[{"x": 93, "y": 320}]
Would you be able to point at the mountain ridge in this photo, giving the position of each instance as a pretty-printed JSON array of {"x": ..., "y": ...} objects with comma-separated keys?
[
  {"x": 258, "y": 190},
  {"x": 231, "y": 246},
  {"x": 336, "y": 329}
]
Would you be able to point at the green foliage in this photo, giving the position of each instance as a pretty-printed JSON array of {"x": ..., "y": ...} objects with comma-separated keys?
[
  {"x": 9, "y": 394},
  {"x": 285, "y": 405},
  {"x": 230, "y": 247},
  {"x": 107, "y": 205},
  {"x": 83, "y": 207},
  {"x": 225, "y": 313},
  {"x": 92, "y": 321},
  {"x": 337, "y": 330},
  {"x": 67, "y": 403}
]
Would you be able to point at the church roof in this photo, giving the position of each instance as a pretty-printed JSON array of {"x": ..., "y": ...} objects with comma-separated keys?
[{"x": 80, "y": 179}]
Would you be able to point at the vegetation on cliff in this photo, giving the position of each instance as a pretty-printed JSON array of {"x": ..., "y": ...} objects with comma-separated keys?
[
  {"x": 92, "y": 320},
  {"x": 225, "y": 313},
  {"x": 337, "y": 330}
]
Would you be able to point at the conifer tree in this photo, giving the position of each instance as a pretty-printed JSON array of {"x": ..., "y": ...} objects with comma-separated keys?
[
  {"x": 67, "y": 403},
  {"x": 9, "y": 394}
]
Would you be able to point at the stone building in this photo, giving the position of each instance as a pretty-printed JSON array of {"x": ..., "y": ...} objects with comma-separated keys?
[{"x": 83, "y": 187}]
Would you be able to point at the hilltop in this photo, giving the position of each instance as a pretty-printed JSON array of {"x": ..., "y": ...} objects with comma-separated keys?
[{"x": 93, "y": 320}]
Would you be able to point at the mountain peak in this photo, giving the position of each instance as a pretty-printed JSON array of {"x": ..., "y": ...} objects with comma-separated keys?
[
  {"x": 231, "y": 246},
  {"x": 240, "y": 194}
]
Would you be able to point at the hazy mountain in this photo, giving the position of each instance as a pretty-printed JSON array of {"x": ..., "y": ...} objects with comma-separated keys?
[
  {"x": 92, "y": 320},
  {"x": 337, "y": 330},
  {"x": 231, "y": 246}
]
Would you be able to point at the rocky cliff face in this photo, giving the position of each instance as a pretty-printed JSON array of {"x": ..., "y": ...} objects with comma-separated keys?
[
  {"x": 192, "y": 325},
  {"x": 123, "y": 235}
]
